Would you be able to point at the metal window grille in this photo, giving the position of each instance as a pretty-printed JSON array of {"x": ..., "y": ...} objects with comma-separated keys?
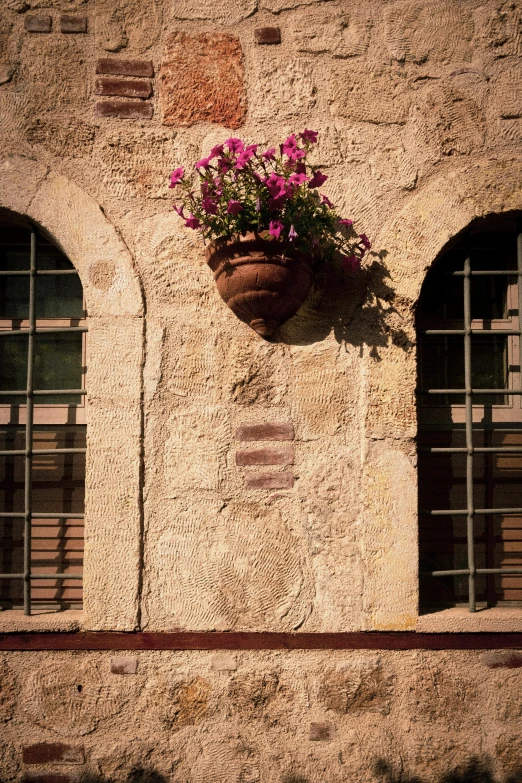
[
  {"x": 30, "y": 394},
  {"x": 470, "y": 393}
]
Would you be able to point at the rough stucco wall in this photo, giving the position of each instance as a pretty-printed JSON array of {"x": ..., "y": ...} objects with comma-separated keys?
[{"x": 280, "y": 716}]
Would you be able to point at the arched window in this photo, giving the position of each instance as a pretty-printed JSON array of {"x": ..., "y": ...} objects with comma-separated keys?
[
  {"x": 470, "y": 419},
  {"x": 42, "y": 421}
]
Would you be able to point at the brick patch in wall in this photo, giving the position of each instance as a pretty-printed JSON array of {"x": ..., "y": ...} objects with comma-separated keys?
[
  {"x": 125, "y": 88},
  {"x": 121, "y": 665},
  {"x": 115, "y": 67},
  {"x": 502, "y": 660},
  {"x": 71, "y": 23},
  {"x": 283, "y": 480},
  {"x": 38, "y": 24},
  {"x": 284, "y": 455},
  {"x": 41, "y": 776},
  {"x": 321, "y": 732},
  {"x": 268, "y": 431},
  {"x": 202, "y": 80},
  {"x": 267, "y": 35},
  {"x": 124, "y": 110},
  {"x": 52, "y": 753}
]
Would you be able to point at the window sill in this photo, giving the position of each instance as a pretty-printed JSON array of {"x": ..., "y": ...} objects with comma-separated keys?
[
  {"x": 15, "y": 621},
  {"x": 460, "y": 620}
]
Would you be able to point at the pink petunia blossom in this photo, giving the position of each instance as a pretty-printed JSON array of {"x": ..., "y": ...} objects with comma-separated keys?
[
  {"x": 269, "y": 154},
  {"x": 245, "y": 156},
  {"x": 326, "y": 200},
  {"x": 346, "y": 222},
  {"x": 290, "y": 145},
  {"x": 297, "y": 179},
  {"x": 215, "y": 151},
  {"x": 292, "y": 234},
  {"x": 365, "y": 241},
  {"x": 223, "y": 165},
  {"x": 351, "y": 263},
  {"x": 235, "y": 145},
  {"x": 309, "y": 135},
  {"x": 317, "y": 180},
  {"x": 209, "y": 206},
  {"x": 192, "y": 222},
  {"x": 234, "y": 207},
  {"x": 176, "y": 177},
  {"x": 276, "y": 186},
  {"x": 275, "y": 228},
  {"x": 204, "y": 163}
]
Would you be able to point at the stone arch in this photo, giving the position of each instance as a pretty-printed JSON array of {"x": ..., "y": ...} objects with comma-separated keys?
[{"x": 75, "y": 222}]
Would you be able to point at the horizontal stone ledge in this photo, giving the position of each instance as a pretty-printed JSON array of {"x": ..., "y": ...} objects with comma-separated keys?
[
  {"x": 124, "y": 88},
  {"x": 124, "y": 110},
  {"x": 114, "y": 67},
  {"x": 266, "y": 431},
  {"x": 253, "y": 640},
  {"x": 281, "y": 455}
]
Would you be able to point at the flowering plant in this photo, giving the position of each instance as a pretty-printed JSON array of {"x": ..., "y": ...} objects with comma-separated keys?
[{"x": 241, "y": 189}]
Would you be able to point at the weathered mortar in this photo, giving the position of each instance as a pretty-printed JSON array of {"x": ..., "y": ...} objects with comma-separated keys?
[{"x": 418, "y": 105}]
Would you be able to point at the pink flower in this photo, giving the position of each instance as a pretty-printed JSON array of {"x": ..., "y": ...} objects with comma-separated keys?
[
  {"x": 276, "y": 185},
  {"x": 317, "y": 180},
  {"x": 192, "y": 222},
  {"x": 351, "y": 263},
  {"x": 290, "y": 145},
  {"x": 309, "y": 135},
  {"x": 176, "y": 177},
  {"x": 345, "y": 222},
  {"x": 297, "y": 179},
  {"x": 234, "y": 207},
  {"x": 269, "y": 154},
  {"x": 365, "y": 241},
  {"x": 215, "y": 151},
  {"x": 292, "y": 234},
  {"x": 235, "y": 145},
  {"x": 179, "y": 211},
  {"x": 223, "y": 165},
  {"x": 326, "y": 200},
  {"x": 204, "y": 163},
  {"x": 245, "y": 156},
  {"x": 275, "y": 228},
  {"x": 209, "y": 206}
]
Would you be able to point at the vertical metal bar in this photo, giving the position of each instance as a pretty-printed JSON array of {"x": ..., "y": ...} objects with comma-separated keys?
[
  {"x": 28, "y": 483},
  {"x": 519, "y": 287},
  {"x": 469, "y": 435}
]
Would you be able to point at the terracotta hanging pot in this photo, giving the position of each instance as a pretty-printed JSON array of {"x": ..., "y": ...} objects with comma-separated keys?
[{"x": 263, "y": 281}]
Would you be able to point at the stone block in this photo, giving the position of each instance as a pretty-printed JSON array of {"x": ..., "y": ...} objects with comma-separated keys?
[
  {"x": 124, "y": 665},
  {"x": 52, "y": 753},
  {"x": 202, "y": 80},
  {"x": 114, "y": 67},
  {"x": 268, "y": 431},
  {"x": 225, "y": 662},
  {"x": 283, "y": 480},
  {"x": 502, "y": 660},
  {"x": 42, "y": 776},
  {"x": 268, "y": 35},
  {"x": 38, "y": 24},
  {"x": 124, "y": 110},
  {"x": 321, "y": 732},
  {"x": 284, "y": 455},
  {"x": 125, "y": 88},
  {"x": 71, "y": 23}
]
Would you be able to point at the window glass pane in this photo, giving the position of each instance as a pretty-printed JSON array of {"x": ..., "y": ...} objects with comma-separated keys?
[
  {"x": 13, "y": 364},
  {"x": 59, "y": 296},
  {"x": 58, "y": 365},
  {"x": 442, "y": 368},
  {"x": 14, "y": 297},
  {"x": 489, "y": 367}
]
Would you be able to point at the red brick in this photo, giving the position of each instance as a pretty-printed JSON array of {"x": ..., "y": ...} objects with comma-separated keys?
[
  {"x": 126, "y": 88},
  {"x": 502, "y": 660},
  {"x": 202, "y": 80},
  {"x": 124, "y": 110},
  {"x": 41, "y": 776},
  {"x": 283, "y": 455},
  {"x": 38, "y": 24},
  {"x": 268, "y": 431},
  {"x": 284, "y": 480},
  {"x": 116, "y": 67},
  {"x": 124, "y": 665},
  {"x": 267, "y": 35},
  {"x": 70, "y": 23},
  {"x": 52, "y": 752},
  {"x": 321, "y": 732}
]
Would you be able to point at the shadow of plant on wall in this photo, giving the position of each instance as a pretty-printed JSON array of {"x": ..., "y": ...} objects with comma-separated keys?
[{"x": 360, "y": 308}]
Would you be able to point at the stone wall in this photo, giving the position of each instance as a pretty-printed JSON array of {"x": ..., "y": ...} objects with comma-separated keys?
[{"x": 419, "y": 109}]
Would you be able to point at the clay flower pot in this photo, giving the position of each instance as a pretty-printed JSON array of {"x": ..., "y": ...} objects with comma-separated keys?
[{"x": 263, "y": 281}]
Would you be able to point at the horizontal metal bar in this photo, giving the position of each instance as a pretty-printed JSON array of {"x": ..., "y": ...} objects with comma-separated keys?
[
  {"x": 471, "y": 331},
  {"x": 41, "y": 576},
  {"x": 499, "y": 571},
  {"x": 461, "y": 572},
  {"x": 474, "y": 450},
  {"x": 26, "y": 452},
  {"x": 465, "y": 572},
  {"x": 18, "y": 272},
  {"x": 42, "y": 330},
  {"x": 40, "y": 392},
  {"x": 482, "y": 272},
  {"x": 472, "y": 391},
  {"x": 445, "y": 512},
  {"x": 41, "y": 515}
]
